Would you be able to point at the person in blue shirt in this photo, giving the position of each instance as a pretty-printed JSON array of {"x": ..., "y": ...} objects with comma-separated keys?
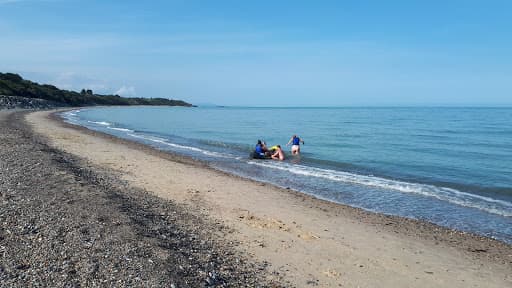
[
  {"x": 295, "y": 141},
  {"x": 259, "y": 150}
]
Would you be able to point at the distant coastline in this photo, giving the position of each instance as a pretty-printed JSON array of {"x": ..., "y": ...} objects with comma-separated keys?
[{"x": 16, "y": 92}]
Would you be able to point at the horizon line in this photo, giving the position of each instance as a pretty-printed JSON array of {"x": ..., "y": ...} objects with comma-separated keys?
[{"x": 505, "y": 106}]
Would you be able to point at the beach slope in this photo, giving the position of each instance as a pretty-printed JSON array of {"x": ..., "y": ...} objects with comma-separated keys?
[
  {"x": 66, "y": 223},
  {"x": 307, "y": 241}
]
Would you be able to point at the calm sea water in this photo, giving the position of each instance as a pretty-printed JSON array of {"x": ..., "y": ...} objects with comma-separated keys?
[{"x": 449, "y": 166}]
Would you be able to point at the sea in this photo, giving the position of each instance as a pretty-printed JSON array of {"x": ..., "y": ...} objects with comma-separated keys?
[{"x": 448, "y": 166}]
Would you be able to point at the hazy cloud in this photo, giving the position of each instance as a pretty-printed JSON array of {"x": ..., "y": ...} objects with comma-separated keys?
[
  {"x": 126, "y": 91},
  {"x": 76, "y": 81}
]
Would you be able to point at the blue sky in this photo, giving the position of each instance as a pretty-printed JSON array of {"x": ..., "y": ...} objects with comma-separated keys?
[{"x": 267, "y": 53}]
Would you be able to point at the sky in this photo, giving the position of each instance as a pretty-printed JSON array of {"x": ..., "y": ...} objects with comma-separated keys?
[{"x": 267, "y": 53}]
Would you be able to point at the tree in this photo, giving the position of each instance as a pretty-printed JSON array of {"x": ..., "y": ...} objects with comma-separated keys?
[{"x": 14, "y": 85}]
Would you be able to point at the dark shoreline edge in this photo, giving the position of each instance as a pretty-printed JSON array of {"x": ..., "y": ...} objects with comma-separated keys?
[
  {"x": 473, "y": 244},
  {"x": 67, "y": 223}
]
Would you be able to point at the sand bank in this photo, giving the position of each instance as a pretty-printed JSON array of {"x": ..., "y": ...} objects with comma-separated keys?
[{"x": 309, "y": 241}]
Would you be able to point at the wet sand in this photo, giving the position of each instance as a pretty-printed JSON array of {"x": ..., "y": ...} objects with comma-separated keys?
[{"x": 307, "y": 241}]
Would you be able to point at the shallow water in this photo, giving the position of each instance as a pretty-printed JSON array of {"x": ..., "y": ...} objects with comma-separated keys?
[{"x": 449, "y": 166}]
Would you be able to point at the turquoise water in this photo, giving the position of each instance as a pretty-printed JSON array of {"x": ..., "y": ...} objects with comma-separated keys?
[{"x": 449, "y": 166}]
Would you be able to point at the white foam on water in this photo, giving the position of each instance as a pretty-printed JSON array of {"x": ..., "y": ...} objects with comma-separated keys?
[
  {"x": 121, "y": 129},
  {"x": 167, "y": 143},
  {"x": 454, "y": 196},
  {"x": 100, "y": 123},
  {"x": 70, "y": 113}
]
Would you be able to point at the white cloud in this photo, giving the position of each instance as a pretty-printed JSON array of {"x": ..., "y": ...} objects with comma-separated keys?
[
  {"x": 126, "y": 91},
  {"x": 77, "y": 81}
]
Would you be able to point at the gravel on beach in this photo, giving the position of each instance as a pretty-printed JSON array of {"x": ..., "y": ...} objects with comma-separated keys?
[{"x": 66, "y": 223}]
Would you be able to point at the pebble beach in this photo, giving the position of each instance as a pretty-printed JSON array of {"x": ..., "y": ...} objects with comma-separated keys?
[{"x": 66, "y": 223}]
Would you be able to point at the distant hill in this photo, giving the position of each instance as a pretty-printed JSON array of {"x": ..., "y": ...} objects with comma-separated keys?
[{"x": 14, "y": 85}]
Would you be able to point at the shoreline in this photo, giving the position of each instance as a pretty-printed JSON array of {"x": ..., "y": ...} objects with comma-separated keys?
[
  {"x": 68, "y": 223},
  {"x": 401, "y": 252},
  {"x": 429, "y": 226},
  {"x": 443, "y": 188}
]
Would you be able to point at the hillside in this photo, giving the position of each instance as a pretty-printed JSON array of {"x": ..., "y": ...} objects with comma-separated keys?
[{"x": 14, "y": 85}]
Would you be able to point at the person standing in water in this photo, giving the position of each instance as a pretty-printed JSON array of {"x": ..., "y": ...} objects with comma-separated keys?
[
  {"x": 295, "y": 141},
  {"x": 278, "y": 154}
]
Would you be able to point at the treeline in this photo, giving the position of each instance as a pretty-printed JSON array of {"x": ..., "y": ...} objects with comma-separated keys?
[{"x": 14, "y": 85}]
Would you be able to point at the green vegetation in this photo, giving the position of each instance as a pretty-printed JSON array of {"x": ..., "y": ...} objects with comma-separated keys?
[{"x": 14, "y": 85}]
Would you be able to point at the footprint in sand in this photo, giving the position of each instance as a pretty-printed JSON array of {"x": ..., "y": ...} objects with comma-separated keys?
[{"x": 271, "y": 223}]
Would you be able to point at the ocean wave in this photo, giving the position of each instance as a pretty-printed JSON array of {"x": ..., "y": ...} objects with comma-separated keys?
[
  {"x": 453, "y": 196},
  {"x": 103, "y": 123},
  {"x": 70, "y": 113},
  {"x": 183, "y": 147},
  {"x": 121, "y": 129}
]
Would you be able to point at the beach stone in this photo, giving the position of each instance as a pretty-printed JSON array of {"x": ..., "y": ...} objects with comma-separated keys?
[{"x": 66, "y": 223}]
